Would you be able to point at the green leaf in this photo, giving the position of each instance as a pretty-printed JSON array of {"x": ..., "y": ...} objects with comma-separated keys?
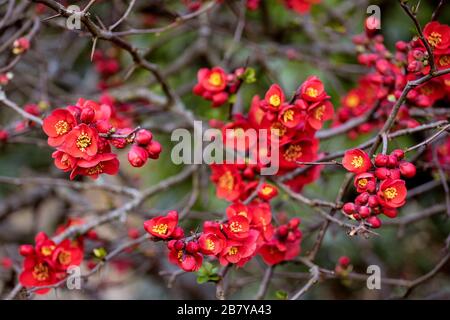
[
  {"x": 249, "y": 76},
  {"x": 281, "y": 295},
  {"x": 202, "y": 279},
  {"x": 100, "y": 253}
]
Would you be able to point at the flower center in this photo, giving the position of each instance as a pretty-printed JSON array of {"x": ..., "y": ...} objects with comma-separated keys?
[
  {"x": 47, "y": 250},
  {"x": 235, "y": 227},
  {"x": 65, "y": 257},
  {"x": 215, "y": 79},
  {"x": 61, "y": 127},
  {"x": 232, "y": 251},
  {"x": 94, "y": 170},
  {"x": 278, "y": 129},
  {"x": 313, "y": 93},
  {"x": 288, "y": 115},
  {"x": 266, "y": 190},
  {"x": 357, "y": 161},
  {"x": 352, "y": 101},
  {"x": 362, "y": 182},
  {"x": 318, "y": 114},
  {"x": 434, "y": 39},
  {"x": 390, "y": 193},
  {"x": 226, "y": 181},
  {"x": 160, "y": 228},
  {"x": 40, "y": 272},
  {"x": 275, "y": 100},
  {"x": 83, "y": 141},
  {"x": 293, "y": 152},
  {"x": 210, "y": 244},
  {"x": 444, "y": 60}
]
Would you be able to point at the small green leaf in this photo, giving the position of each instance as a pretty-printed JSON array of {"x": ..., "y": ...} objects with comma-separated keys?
[
  {"x": 232, "y": 99},
  {"x": 100, "y": 253},
  {"x": 281, "y": 295},
  {"x": 202, "y": 279},
  {"x": 249, "y": 75}
]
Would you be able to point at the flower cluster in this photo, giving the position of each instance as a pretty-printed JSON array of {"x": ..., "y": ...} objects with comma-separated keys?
[
  {"x": 299, "y": 6},
  {"x": 246, "y": 232},
  {"x": 46, "y": 262},
  {"x": 83, "y": 134},
  {"x": 292, "y": 123},
  {"x": 378, "y": 91},
  {"x": 216, "y": 85},
  {"x": 380, "y": 187}
]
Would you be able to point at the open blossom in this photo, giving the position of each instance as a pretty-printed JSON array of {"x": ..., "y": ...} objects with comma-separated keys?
[
  {"x": 356, "y": 161},
  {"x": 57, "y": 125},
  {"x": 392, "y": 193},
  {"x": 162, "y": 227}
]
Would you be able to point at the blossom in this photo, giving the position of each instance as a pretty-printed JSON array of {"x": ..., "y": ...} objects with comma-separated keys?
[
  {"x": 267, "y": 191},
  {"x": 365, "y": 182},
  {"x": 274, "y": 98},
  {"x": 438, "y": 36},
  {"x": 392, "y": 193},
  {"x": 239, "y": 251},
  {"x": 81, "y": 142},
  {"x": 318, "y": 113},
  {"x": 312, "y": 89},
  {"x": 57, "y": 125},
  {"x": 356, "y": 161},
  {"x": 162, "y": 227}
]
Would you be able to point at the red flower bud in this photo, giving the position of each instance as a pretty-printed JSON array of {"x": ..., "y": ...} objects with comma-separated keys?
[
  {"x": 394, "y": 174},
  {"x": 143, "y": 137},
  {"x": 3, "y": 135},
  {"x": 294, "y": 223},
  {"x": 374, "y": 222},
  {"x": 349, "y": 208},
  {"x": 382, "y": 173},
  {"x": 390, "y": 212},
  {"x": 407, "y": 169},
  {"x": 392, "y": 161},
  {"x": 137, "y": 156},
  {"x": 178, "y": 233},
  {"x": 364, "y": 212},
  {"x": 283, "y": 231},
  {"x": 154, "y": 149},
  {"x": 399, "y": 153},
  {"x": 381, "y": 160},
  {"x": 87, "y": 115},
  {"x": 192, "y": 247},
  {"x": 373, "y": 201},
  {"x": 171, "y": 244},
  {"x": 344, "y": 261},
  {"x": 179, "y": 245},
  {"x": 26, "y": 250},
  {"x": 362, "y": 198}
]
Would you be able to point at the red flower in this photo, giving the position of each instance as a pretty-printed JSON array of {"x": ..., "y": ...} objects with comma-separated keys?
[
  {"x": 312, "y": 89},
  {"x": 392, "y": 193},
  {"x": 228, "y": 181},
  {"x": 81, "y": 142},
  {"x": 36, "y": 273},
  {"x": 318, "y": 113},
  {"x": 66, "y": 255},
  {"x": 163, "y": 226},
  {"x": 356, "y": 161},
  {"x": 274, "y": 98},
  {"x": 365, "y": 182},
  {"x": 57, "y": 125},
  {"x": 21, "y": 45},
  {"x": 303, "y": 149},
  {"x": 189, "y": 262},
  {"x": 267, "y": 191},
  {"x": 238, "y": 252},
  {"x": 213, "y": 80},
  {"x": 64, "y": 161},
  {"x": 102, "y": 163},
  {"x": 300, "y": 6},
  {"x": 290, "y": 116},
  {"x": 438, "y": 36},
  {"x": 237, "y": 227},
  {"x": 212, "y": 241}
]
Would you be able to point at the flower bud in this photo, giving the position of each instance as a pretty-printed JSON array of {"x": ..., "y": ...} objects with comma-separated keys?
[
  {"x": 381, "y": 160},
  {"x": 392, "y": 161},
  {"x": 154, "y": 149},
  {"x": 382, "y": 173},
  {"x": 362, "y": 199},
  {"x": 390, "y": 212},
  {"x": 192, "y": 247},
  {"x": 26, "y": 250},
  {"x": 179, "y": 245},
  {"x": 407, "y": 169},
  {"x": 294, "y": 223},
  {"x": 178, "y": 233},
  {"x": 394, "y": 174},
  {"x": 399, "y": 153},
  {"x": 344, "y": 261},
  {"x": 137, "y": 156},
  {"x": 373, "y": 201},
  {"x": 87, "y": 115},
  {"x": 374, "y": 222},
  {"x": 283, "y": 231},
  {"x": 3, "y": 135},
  {"x": 364, "y": 212},
  {"x": 349, "y": 208},
  {"x": 143, "y": 137}
]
